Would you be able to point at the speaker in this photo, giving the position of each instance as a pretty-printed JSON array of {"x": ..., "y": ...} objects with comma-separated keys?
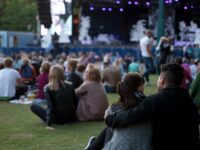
[{"x": 44, "y": 12}]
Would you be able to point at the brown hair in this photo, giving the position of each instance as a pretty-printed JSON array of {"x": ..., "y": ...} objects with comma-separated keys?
[
  {"x": 73, "y": 64},
  {"x": 8, "y": 62},
  {"x": 45, "y": 67},
  {"x": 81, "y": 68},
  {"x": 94, "y": 74},
  {"x": 26, "y": 61},
  {"x": 129, "y": 84}
]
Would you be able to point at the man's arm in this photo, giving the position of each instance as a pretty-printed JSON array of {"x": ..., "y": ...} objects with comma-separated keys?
[
  {"x": 145, "y": 111},
  {"x": 149, "y": 50}
]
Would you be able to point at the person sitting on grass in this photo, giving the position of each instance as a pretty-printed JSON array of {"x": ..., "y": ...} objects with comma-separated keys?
[
  {"x": 11, "y": 83},
  {"x": 137, "y": 137},
  {"x": 60, "y": 98},
  {"x": 27, "y": 72},
  {"x": 72, "y": 75},
  {"x": 42, "y": 81},
  {"x": 174, "y": 116},
  {"x": 92, "y": 96}
]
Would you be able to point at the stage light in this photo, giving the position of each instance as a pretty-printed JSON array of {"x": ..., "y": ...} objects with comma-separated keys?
[
  {"x": 121, "y": 9},
  {"x": 109, "y": 9},
  {"x": 185, "y": 7},
  {"x": 167, "y": 2},
  {"x": 118, "y": 2},
  {"x": 176, "y": 0},
  {"x": 129, "y": 2},
  {"x": 136, "y": 3},
  {"x": 191, "y": 6},
  {"x": 103, "y": 9},
  {"x": 91, "y": 8},
  {"x": 170, "y": 1},
  {"x": 147, "y": 3}
]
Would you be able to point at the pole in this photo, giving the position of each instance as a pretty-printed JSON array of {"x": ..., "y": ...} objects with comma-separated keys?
[{"x": 161, "y": 19}]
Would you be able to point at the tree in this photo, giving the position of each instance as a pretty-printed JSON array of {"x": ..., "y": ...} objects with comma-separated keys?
[{"x": 18, "y": 15}]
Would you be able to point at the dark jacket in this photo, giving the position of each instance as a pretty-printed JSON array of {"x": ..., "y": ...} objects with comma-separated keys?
[
  {"x": 60, "y": 104},
  {"x": 75, "y": 78},
  {"x": 174, "y": 116}
]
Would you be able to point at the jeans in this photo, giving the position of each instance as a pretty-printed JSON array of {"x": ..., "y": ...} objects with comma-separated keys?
[
  {"x": 148, "y": 61},
  {"x": 102, "y": 139},
  {"x": 39, "y": 111}
]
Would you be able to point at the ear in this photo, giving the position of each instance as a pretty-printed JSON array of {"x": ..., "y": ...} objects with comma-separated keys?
[{"x": 163, "y": 80}]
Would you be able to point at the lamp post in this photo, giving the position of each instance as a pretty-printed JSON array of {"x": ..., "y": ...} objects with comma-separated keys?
[{"x": 161, "y": 19}]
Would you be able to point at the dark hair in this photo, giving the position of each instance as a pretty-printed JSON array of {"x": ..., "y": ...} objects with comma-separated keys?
[
  {"x": 173, "y": 73},
  {"x": 73, "y": 64},
  {"x": 81, "y": 68},
  {"x": 178, "y": 60},
  {"x": 127, "y": 87}
]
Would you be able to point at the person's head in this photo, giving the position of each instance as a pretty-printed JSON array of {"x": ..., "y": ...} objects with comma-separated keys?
[
  {"x": 81, "y": 68},
  {"x": 87, "y": 70},
  {"x": 26, "y": 61},
  {"x": 72, "y": 65},
  {"x": 178, "y": 60},
  {"x": 132, "y": 82},
  {"x": 171, "y": 74},
  {"x": 8, "y": 62},
  {"x": 170, "y": 39},
  {"x": 45, "y": 67},
  {"x": 56, "y": 76},
  {"x": 92, "y": 74},
  {"x": 149, "y": 33}
]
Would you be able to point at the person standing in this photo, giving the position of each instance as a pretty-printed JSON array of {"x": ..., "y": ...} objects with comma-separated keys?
[{"x": 146, "y": 45}]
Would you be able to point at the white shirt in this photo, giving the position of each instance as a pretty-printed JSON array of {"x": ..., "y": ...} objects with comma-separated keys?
[
  {"x": 144, "y": 42},
  {"x": 193, "y": 69},
  {"x": 8, "y": 82}
]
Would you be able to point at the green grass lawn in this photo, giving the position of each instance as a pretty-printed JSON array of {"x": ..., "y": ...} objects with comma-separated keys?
[{"x": 22, "y": 130}]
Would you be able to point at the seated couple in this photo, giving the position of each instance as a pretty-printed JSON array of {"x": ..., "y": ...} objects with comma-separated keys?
[
  {"x": 61, "y": 100},
  {"x": 168, "y": 120}
]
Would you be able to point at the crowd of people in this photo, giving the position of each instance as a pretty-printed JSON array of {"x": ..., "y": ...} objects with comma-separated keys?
[{"x": 74, "y": 88}]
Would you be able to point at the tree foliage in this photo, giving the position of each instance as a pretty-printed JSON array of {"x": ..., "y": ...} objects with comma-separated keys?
[{"x": 18, "y": 15}]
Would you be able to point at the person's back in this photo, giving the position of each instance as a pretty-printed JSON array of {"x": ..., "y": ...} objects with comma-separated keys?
[
  {"x": 92, "y": 96},
  {"x": 75, "y": 78},
  {"x": 92, "y": 101},
  {"x": 111, "y": 75},
  {"x": 8, "y": 79},
  {"x": 137, "y": 137},
  {"x": 133, "y": 137},
  {"x": 175, "y": 120},
  {"x": 62, "y": 102}
]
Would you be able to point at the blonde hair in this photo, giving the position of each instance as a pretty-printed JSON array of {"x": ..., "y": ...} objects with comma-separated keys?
[
  {"x": 56, "y": 76},
  {"x": 93, "y": 73},
  {"x": 26, "y": 61}
]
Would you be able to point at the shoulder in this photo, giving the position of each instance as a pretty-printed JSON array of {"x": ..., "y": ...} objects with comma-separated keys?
[
  {"x": 47, "y": 88},
  {"x": 114, "y": 108},
  {"x": 14, "y": 72}
]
